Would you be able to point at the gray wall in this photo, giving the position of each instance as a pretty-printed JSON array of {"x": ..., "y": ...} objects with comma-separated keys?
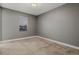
[
  {"x": 0, "y": 24},
  {"x": 10, "y": 25},
  {"x": 61, "y": 24}
]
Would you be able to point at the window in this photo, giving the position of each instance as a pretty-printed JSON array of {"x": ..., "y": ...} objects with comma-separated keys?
[{"x": 23, "y": 23}]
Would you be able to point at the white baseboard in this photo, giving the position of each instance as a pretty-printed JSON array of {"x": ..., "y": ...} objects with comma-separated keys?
[
  {"x": 17, "y": 39},
  {"x": 61, "y": 43}
]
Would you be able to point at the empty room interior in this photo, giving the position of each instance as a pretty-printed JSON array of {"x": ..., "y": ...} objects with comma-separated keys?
[{"x": 39, "y": 28}]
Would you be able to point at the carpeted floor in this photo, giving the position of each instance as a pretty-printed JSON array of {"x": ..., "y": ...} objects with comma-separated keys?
[{"x": 35, "y": 46}]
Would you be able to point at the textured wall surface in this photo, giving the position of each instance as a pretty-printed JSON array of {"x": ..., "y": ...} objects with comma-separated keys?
[
  {"x": 61, "y": 24},
  {"x": 0, "y": 24},
  {"x": 10, "y": 24}
]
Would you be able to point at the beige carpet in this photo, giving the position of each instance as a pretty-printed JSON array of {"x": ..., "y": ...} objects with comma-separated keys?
[{"x": 35, "y": 46}]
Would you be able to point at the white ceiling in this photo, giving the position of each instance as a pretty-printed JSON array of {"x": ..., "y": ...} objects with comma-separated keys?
[{"x": 28, "y": 8}]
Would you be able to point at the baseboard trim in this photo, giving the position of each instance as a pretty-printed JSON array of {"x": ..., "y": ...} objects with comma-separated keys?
[
  {"x": 17, "y": 39},
  {"x": 58, "y": 42}
]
